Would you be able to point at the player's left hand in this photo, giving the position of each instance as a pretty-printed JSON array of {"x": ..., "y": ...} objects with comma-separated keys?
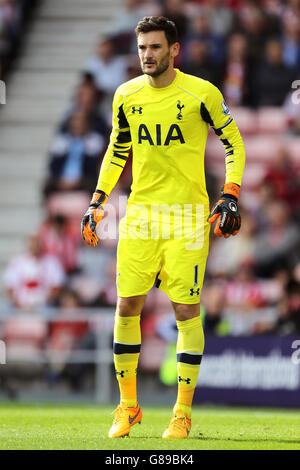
[{"x": 226, "y": 212}]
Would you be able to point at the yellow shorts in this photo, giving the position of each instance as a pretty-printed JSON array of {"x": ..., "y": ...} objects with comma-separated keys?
[{"x": 176, "y": 266}]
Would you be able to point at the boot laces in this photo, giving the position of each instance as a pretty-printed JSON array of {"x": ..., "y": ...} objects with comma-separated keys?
[
  {"x": 179, "y": 421},
  {"x": 118, "y": 414}
]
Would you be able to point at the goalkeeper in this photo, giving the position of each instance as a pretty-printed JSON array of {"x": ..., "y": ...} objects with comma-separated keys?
[{"x": 164, "y": 115}]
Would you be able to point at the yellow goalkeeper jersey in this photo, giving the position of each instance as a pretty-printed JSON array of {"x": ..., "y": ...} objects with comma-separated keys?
[{"x": 167, "y": 129}]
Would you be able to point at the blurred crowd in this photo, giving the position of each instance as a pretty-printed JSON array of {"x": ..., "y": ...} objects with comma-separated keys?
[
  {"x": 13, "y": 17},
  {"x": 251, "y": 51}
]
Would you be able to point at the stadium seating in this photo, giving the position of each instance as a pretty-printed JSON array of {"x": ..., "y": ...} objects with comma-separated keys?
[
  {"x": 57, "y": 43},
  {"x": 246, "y": 119},
  {"x": 271, "y": 120}
]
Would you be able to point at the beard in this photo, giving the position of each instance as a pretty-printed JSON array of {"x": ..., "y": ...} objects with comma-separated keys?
[{"x": 160, "y": 68}]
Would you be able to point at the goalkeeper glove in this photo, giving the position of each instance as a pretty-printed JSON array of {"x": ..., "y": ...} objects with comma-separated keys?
[
  {"x": 227, "y": 212},
  {"x": 92, "y": 217}
]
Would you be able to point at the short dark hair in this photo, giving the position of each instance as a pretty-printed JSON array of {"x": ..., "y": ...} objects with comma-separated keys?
[{"x": 158, "y": 23}]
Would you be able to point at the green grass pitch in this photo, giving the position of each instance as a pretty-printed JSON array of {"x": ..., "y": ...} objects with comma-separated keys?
[{"x": 57, "y": 426}]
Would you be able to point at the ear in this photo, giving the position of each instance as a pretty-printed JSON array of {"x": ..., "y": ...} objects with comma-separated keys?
[{"x": 175, "y": 48}]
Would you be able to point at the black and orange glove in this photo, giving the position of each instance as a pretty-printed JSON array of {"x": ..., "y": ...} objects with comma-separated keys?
[
  {"x": 92, "y": 217},
  {"x": 226, "y": 212}
]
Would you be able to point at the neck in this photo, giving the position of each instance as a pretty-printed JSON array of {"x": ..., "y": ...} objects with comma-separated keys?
[{"x": 162, "y": 80}]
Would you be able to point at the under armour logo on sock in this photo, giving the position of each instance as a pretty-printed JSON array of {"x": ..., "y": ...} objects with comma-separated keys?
[
  {"x": 187, "y": 381},
  {"x": 121, "y": 374}
]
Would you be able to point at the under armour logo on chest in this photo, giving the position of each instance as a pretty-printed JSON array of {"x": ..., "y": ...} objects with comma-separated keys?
[{"x": 138, "y": 110}]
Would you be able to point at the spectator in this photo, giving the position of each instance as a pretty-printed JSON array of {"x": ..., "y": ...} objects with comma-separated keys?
[
  {"x": 273, "y": 80},
  {"x": 64, "y": 334},
  {"x": 245, "y": 292},
  {"x": 220, "y": 17},
  {"x": 75, "y": 157},
  {"x": 174, "y": 10},
  {"x": 241, "y": 249},
  {"x": 276, "y": 244},
  {"x": 108, "y": 294},
  {"x": 212, "y": 299},
  {"x": 296, "y": 269},
  {"x": 200, "y": 29},
  {"x": 199, "y": 64},
  {"x": 87, "y": 100},
  {"x": 10, "y": 22},
  {"x": 58, "y": 240},
  {"x": 33, "y": 279},
  {"x": 107, "y": 68},
  {"x": 258, "y": 210},
  {"x": 236, "y": 81},
  {"x": 288, "y": 314},
  {"x": 258, "y": 26},
  {"x": 291, "y": 9},
  {"x": 291, "y": 43},
  {"x": 133, "y": 67},
  {"x": 284, "y": 179},
  {"x": 122, "y": 28},
  {"x": 292, "y": 109},
  {"x": 274, "y": 7}
]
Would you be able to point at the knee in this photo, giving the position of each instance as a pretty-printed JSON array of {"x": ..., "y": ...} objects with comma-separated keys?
[
  {"x": 130, "y": 306},
  {"x": 186, "y": 312}
]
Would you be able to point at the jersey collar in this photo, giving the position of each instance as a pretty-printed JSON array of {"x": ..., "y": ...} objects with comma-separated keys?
[{"x": 166, "y": 88}]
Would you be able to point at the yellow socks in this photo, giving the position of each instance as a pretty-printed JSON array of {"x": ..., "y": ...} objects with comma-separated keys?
[
  {"x": 127, "y": 345},
  {"x": 190, "y": 345}
]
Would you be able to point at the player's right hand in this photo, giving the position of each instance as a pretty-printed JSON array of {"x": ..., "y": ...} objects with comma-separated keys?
[{"x": 92, "y": 217}]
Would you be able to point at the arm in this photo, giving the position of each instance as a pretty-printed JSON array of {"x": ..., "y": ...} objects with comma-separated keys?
[
  {"x": 111, "y": 168},
  {"x": 118, "y": 150},
  {"x": 215, "y": 112}
]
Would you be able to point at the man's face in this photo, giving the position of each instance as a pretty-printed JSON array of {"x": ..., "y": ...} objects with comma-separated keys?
[
  {"x": 105, "y": 50},
  {"x": 34, "y": 246},
  {"x": 273, "y": 52},
  {"x": 78, "y": 125},
  {"x": 155, "y": 53}
]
